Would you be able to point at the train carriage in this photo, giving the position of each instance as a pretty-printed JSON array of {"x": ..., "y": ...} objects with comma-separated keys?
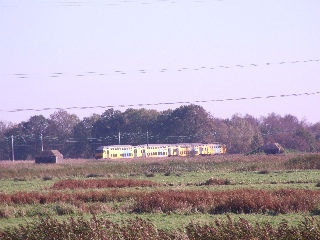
[
  {"x": 114, "y": 152},
  {"x": 156, "y": 150},
  {"x": 159, "y": 150}
]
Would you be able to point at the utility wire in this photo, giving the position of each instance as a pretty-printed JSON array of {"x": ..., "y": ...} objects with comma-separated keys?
[
  {"x": 95, "y": 3},
  {"x": 161, "y": 70},
  {"x": 164, "y": 103}
]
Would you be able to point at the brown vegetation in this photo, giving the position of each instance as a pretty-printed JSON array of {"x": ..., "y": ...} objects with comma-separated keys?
[
  {"x": 59, "y": 196},
  {"x": 236, "y": 201},
  {"x": 98, "y": 228}
]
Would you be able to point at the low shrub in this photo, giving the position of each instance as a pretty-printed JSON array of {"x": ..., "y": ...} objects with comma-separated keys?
[
  {"x": 47, "y": 178},
  {"x": 94, "y": 175},
  {"x": 149, "y": 174},
  {"x": 265, "y": 171},
  {"x": 65, "y": 209},
  {"x": 215, "y": 181}
]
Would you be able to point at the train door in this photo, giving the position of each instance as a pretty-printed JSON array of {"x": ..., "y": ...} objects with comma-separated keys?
[
  {"x": 135, "y": 152},
  {"x": 192, "y": 150},
  {"x": 201, "y": 150},
  {"x": 176, "y": 151},
  {"x": 143, "y": 152}
]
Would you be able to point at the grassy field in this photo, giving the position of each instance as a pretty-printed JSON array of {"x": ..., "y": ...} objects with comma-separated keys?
[{"x": 170, "y": 193}]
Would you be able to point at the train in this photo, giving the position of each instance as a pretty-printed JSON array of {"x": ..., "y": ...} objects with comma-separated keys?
[{"x": 159, "y": 150}]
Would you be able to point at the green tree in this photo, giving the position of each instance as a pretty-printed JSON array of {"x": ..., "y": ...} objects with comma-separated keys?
[
  {"x": 60, "y": 130},
  {"x": 137, "y": 123},
  {"x": 84, "y": 142},
  {"x": 4, "y": 140},
  {"x": 108, "y": 126},
  {"x": 190, "y": 123}
]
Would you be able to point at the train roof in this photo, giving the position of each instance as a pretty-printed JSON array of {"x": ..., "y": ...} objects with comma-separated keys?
[
  {"x": 158, "y": 145},
  {"x": 114, "y": 146}
]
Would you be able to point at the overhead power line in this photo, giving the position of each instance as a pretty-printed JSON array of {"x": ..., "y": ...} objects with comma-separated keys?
[
  {"x": 164, "y": 103},
  {"x": 58, "y": 74},
  {"x": 106, "y": 3}
]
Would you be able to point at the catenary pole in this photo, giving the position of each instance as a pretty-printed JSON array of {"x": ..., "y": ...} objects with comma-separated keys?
[{"x": 12, "y": 148}]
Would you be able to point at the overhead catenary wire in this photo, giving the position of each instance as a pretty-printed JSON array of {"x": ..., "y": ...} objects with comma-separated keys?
[
  {"x": 162, "y": 103},
  {"x": 114, "y": 137}
]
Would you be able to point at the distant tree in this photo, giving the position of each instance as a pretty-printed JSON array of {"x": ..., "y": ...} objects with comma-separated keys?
[
  {"x": 288, "y": 131},
  {"x": 60, "y": 130},
  {"x": 61, "y": 123},
  {"x": 84, "y": 142},
  {"x": 137, "y": 123},
  {"x": 5, "y": 140},
  {"x": 34, "y": 130},
  {"x": 190, "y": 123},
  {"x": 16, "y": 134},
  {"x": 315, "y": 130},
  {"x": 243, "y": 134},
  {"x": 108, "y": 126},
  {"x": 158, "y": 129}
]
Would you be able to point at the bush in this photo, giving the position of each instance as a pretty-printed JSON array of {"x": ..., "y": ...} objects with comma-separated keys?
[
  {"x": 265, "y": 171},
  {"x": 47, "y": 178},
  {"x": 215, "y": 181}
]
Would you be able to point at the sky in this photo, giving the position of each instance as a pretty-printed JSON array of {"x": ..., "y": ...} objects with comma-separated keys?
[{"x": 88, "y": 56}]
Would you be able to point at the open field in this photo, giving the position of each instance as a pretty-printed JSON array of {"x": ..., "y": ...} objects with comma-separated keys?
[{"x": 170, "y": 194}]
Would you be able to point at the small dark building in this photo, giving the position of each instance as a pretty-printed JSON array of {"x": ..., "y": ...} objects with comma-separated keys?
[
  {"x": 49, "y": 156},
  {"x": 272, "y": 148}
]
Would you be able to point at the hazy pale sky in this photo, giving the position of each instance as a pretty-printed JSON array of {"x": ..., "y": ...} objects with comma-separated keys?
[{"x": 61, "y": 54}]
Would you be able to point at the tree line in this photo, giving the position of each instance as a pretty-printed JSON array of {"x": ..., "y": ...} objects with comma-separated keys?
[{"x": 76, "y": 138}]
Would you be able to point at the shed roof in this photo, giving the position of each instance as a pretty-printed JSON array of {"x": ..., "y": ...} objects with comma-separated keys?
[
  {"x": 48, "y": 153},
  {"x": 271, "y": 145}
]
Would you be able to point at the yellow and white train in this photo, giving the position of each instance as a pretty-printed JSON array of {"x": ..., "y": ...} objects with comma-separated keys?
[{"x": 159, "y": 150}]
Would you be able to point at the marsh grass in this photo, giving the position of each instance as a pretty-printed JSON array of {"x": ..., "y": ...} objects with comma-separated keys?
[
  {"x": 82, "y": 168},
  {"x": 139, "y": 228},
  {"x": 29, "y": 186}
]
